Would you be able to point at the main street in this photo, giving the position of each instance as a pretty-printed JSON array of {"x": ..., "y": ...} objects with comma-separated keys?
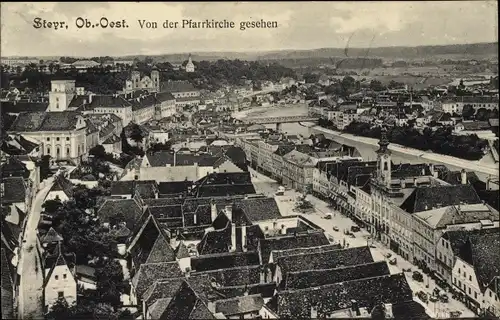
[
  {"x": 30, "y": 266},
  {"x": 286, "y": 203}
]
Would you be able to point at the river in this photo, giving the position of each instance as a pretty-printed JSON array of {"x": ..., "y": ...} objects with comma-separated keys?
[{"x": 368, "y": 146}]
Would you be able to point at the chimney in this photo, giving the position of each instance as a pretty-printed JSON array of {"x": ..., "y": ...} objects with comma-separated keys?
[
  {"x": 488, "y": 186},
  {"x": 244, "y": 238},
  {"x": 195, "y": 220},
  {"x": 403, "y": 183},
  {"x": 213, "y": 210},
  {"x": 90, "y": 98},
  {"x": 175, "y": 158},
  {"x": 229, "y": 212},
  {"x": 463, "y": 176},
  {"x": 423, "y": 171}
]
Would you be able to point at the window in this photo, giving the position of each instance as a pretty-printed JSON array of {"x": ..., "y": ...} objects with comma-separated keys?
[
  {"x": 67, "y": 138},
  {"x": 459, "y": 284},
  {"x": 57, "y": 139},
  {"x": 64, "y": 276},
  {"x": 442, "y": 242},
  {"x": 60, "y": 294},
  {"x": 67, "y": 152},
  {"x": 470, "y": 291},
  {"x": 48, "y": 139},
  {"x": 470, "y": 277},
  {"x": 465, "y": 275},
  {"x": 475, "y": 295},
  {"x": 490, "y": 294},
  {"x": 48, "y": 150},
  {"x": 57, "y": 277},
  {"x": 459, "y": 271},
  {"x": 446, "y": 245}
]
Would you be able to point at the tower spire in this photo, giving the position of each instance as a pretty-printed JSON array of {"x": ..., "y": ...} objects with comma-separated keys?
[{"x": 384, "y": 141}]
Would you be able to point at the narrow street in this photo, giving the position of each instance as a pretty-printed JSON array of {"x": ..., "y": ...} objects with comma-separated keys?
[
  {"x": 30, "y": 266},
  {"x": 286, "y": 203}
]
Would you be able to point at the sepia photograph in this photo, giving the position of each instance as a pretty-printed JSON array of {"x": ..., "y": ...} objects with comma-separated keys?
[{"x": 249, "y": 160}]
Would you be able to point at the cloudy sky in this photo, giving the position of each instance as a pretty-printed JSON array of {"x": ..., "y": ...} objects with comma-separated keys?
[{"x": 301, "y": 25}]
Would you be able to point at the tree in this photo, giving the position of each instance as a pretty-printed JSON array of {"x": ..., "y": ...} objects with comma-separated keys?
[
  {"x": 98, "y": 151},
  {"x": 60, "y": 310},
  {"x": 468, "y": 111},
  {"x": 482, "y": 114},
  {"x": 51, "y": 206},
  {"x": 110, "y": 282},
  {"x": 44, "y": 167},
  {"x": 376, "y": 85}
]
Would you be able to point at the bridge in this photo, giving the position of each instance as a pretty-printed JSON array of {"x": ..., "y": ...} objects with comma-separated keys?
[{"x": 280, "y": 120}]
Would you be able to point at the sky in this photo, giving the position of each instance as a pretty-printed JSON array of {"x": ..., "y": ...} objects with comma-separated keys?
[{"x": 301, "y": 25}]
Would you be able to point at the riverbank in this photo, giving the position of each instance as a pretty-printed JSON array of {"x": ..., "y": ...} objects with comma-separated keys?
[{"x": 368, "y": 146}]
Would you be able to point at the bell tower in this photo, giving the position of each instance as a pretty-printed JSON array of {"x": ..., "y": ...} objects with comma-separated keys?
[
  {"x": 155, "y": 77},
  {"x": 384, "y": 160}
]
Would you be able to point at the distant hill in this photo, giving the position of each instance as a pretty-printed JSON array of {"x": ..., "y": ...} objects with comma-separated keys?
[{"x": 458, "y": 51}]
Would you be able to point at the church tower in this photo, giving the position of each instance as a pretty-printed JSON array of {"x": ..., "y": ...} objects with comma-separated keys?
[
  {"x": 190, "y": 65},
  {"x": 384, "y": 160},
  {"x": 136, "y": 79},
  {"x": 155, "y": 77},
  {"x": 61, "y": 94}
]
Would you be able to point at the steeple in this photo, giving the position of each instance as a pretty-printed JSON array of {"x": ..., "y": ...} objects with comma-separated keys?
[{"x": 383, "y": 142}]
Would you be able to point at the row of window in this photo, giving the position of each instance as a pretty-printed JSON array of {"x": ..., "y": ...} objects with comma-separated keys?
[{"x": 58, "y": 139}]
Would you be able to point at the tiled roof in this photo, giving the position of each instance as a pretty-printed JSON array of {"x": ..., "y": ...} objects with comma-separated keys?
[
  {"x": 216, "y": 241},
  {"x": 325, "y": 260},
  {"x": 291, "y": 242},
  {"x": 45, "y": 121},
  {"x": 237, "y": 156},
  {"x": 123, "y": 210},
  {"x": 160, "y": 202},
  {"x": 164, "y": 96},
  {"x": 148, "y": 273},
  {"x": 410, "y": 310},
  {"x": 14, "y": 190},
  {"x": 432, "y": 197},
  {"x": 224, "y": 260},
  {"x": 147, "y": 189},
  {"x": 7, "y": 280},
  {"x": 258, "y": 209},
  {"x": 161, "y": 159},
  {"x": 158, "y": 307},
  {"x": 143, "y": 241},
  {"x": 240, "y": 305},
  {"x": 177, "y": 86},
  {"x": 186, "y": 304},
  {"x": 316, "y": 278},
  {"x": 63, "y": 184},
  {"x": 181, "y": 251},
  {"x": 18, "y": 107},
  {"x": 109, "y": 101},
  {"x": 162, "y": 288},
  {"x": 174, "y": 187},
  {"x": 329, "y": 298},
  {"x": 304, "y": 250},
  {"x": 10, "y": 235},
  {"x": 479, "y": 248},
  {"x": 235, "y": 276},
  {"x": 18, "y": 145},
  {"x": 161, "y": 252},
  {"x": 166, "y": 212},
  {"x": 266, "y": 290},
  {"x": 476, "y": 125},
  {"x": 455, "y": 177},
  {"x": 454, "y": 215},
  {"x": 14, "y": 167},
  {"x": 112, "y": 139}
]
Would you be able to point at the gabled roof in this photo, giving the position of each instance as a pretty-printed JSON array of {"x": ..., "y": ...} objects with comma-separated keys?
[
  {"x": 224, "y": 260},
  {"x": 64, "y": 185},
  {"x": 174, "y": 187},
  {"x": 161, "y": 159},
  {"x": 479, "y": 248},
  {"x": 329, "y": 298},
  {"x": 431, "y": 197},
  {"x": 259, "y": 209},
  {"x": 59, "y": 258},
  {"x": 18, "y": 145},
  {"x": 454, "y": 215},
  {"x": 52, "y": 236},
  {"x": 325, "y": 260},
  {"x": 316, "y": 278},
  {"x": 148, "y": 273},
  {"x": 162, "y": 288},
  {"x": 240, "y": 305},
  {"x": 158, "y": 307},
  {"x": 234, "y": 276},
  {"x": 161, "y": 252},
  {"x": 186, "y": 305},
  {"x": 291, "y": 242},
  {"x": 181, "y": 251}
]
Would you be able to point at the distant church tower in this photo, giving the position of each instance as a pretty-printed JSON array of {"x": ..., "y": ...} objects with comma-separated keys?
[
  {"x": 384, "y": 160},
  {"x": 61, "y": 94},
  {"x": 190, "y": 65}
]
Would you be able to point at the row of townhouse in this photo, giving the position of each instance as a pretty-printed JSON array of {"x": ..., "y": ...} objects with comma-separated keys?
[
  {"x": 412, "y": 210},
  {"x": 291, "y": 163},
  {"x": 456, "y": 104}
]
